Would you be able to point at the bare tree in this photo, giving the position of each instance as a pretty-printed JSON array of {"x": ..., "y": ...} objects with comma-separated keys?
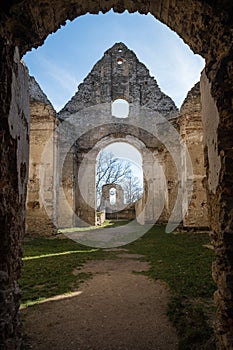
[
  {"x": 132, "y": 187},
  {"x": 111, "y": 169}
]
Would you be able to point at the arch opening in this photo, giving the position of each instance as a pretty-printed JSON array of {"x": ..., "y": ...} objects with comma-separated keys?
[
  {"x": 118, "y": 163},
  {"x": 197, "y": 44},
  {"x": 112, "y": 194}
]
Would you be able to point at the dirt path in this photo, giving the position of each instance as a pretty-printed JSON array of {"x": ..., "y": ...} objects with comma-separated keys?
[{"x": 116, "y": 309}]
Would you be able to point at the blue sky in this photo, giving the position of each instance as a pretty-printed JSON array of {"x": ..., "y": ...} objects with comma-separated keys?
[
  {"x": 67, "y": 56},
  {"x": 128, "y": 153}
]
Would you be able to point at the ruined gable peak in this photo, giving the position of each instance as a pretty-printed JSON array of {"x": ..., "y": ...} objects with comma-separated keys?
[
  {"x": 36, "y": 94},
  {"x": 120, "y": 75},
  {"x": 120, "y": 49},
  {"x": 192, "y": 102}
]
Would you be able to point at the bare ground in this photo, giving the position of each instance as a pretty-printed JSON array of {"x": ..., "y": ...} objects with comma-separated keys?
[{"x": 116, "y": 309}]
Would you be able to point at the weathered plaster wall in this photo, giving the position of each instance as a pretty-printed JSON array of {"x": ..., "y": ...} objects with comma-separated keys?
[
  {"x": 118, "y": 210},
  {"x": 210, "y": 139},
  {"x": 93, "y": 101},
  {"x": 128, "y": 213},
  {"x": 191, "y": 131},
  {"x": 207, "y": 27},
  {"x": 172, "y": 184},
  {"x": 130, "y": 80},
  {"x": 42, "y": 166},
  {"x": 220, "y": 221},
  {"x": 85, "y": 188},
  {"x": 105, "y": 199},
  {"x": 14, "y": 144},
  {"x": 87, "y": 118},
  {"x": 65, "y": 180}
]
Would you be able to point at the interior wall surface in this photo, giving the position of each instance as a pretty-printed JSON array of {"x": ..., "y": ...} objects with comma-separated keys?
[{"x": 207, "y": 27}]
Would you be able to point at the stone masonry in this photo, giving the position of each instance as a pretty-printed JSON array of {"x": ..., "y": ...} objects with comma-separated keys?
[
  {"x": 118, "y": 74},
  {"x": 41, "y": 183},
  {"x": 119, "y": 197},
  {"x": 207, "y": 27},
  {"x": 71, "y": 198},
  {"x": 117, "y": 210},
  {"x": 191, "y": 131}
]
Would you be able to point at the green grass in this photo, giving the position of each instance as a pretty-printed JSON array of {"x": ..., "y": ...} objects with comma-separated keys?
[
  {"x": 184, "y": 264},
  {"x": 107, "y": 223},
  {"x": 180, "y": 260},
  {"x": 48, "y": 266}
]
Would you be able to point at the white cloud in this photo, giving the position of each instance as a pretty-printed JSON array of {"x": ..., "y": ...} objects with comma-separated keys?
[
  {"x": 58, "y": 84},
  {"x": 68, "y": 56},
  {"x": 173, "y": 65}
]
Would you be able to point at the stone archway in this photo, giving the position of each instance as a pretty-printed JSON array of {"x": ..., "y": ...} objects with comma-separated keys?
[
  {"x": 118, "y": 201},
  {"x": 207, "y": 28},
  {"x": 155, "y": 190},
  {"x": 87, "y": 119}
]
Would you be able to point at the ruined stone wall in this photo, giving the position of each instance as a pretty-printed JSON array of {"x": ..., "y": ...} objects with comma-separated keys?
[
  {"x": 155, "y": 188},
  {"x": 128, "y": 213},
  {"x": 223, "y": 242},
  {"x": 42, "y": 164},
  {"x": 139, "y": 213},
  {"x": 64, "y": 213},
  {"x": 191, "y": 131},
  {"x": 163, "y": 191},
  {"x": 85, "y": 188},
  {"x": 105, "y": 198},
  {"x": 87, "y": 118},
  {"x": 206, "y": 26},
  {"x": 172, "y": 184},
  {"x": 118, "y": 210},
  {"x": 88, "y": 114},
  {"x": 119, "y": 74},
  {"x": 14, "y": 137}
]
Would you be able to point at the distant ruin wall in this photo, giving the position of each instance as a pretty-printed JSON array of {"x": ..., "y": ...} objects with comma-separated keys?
[
  {"x": 64, "y": 179},
  {"x": 128, "y": 213},
  {"x": 42, "y": 166},
  {"x": 191, "y": 131}
]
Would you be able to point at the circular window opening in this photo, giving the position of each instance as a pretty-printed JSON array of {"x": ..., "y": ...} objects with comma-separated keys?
[
  {"x": 120, "y": 108},
  {"x": 119, "y": 50},
  {"x": 120, "y": 61}
]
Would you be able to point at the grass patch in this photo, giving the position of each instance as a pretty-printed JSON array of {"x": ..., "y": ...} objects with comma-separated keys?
[
  {"x": 48, "y": 267},
  {"x": 184, "y": 264},
  {"x": 181, "y": 260},
  {"x": 107, "y": 223}
]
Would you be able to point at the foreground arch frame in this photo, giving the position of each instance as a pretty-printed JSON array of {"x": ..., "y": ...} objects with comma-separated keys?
[{"x": 207, "y": 28}]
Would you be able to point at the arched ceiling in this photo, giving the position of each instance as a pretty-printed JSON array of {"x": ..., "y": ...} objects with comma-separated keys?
[{"x": 29, "y": 22}]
